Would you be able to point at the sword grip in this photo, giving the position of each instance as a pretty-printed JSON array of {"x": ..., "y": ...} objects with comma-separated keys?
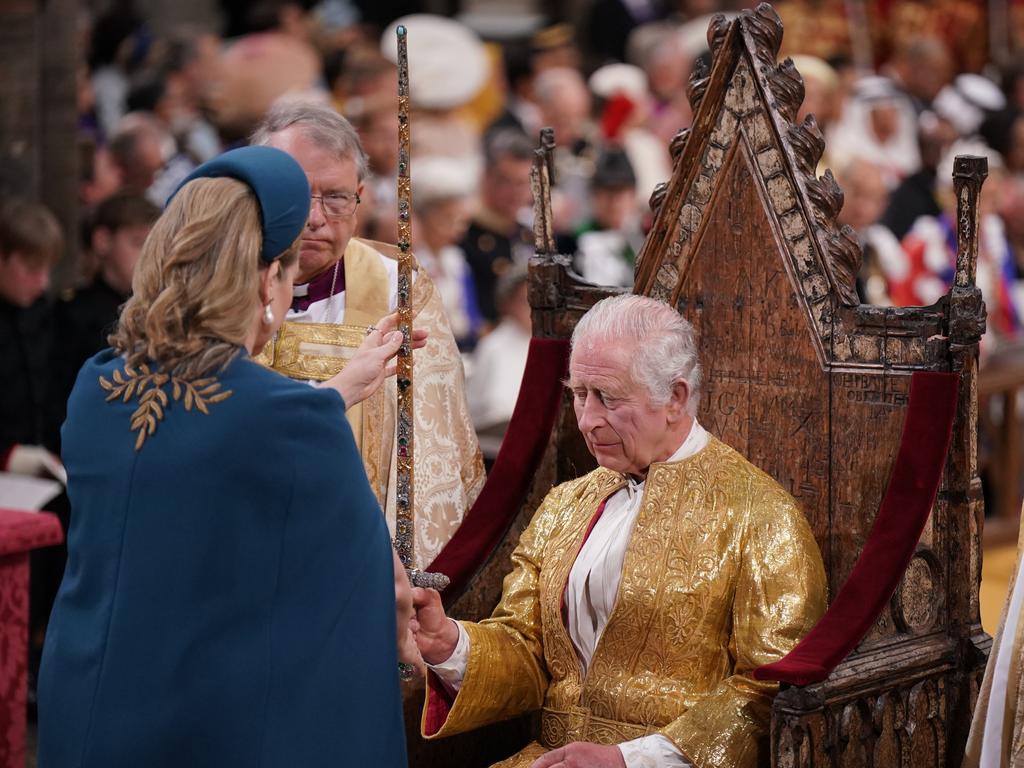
[{"x": 427, "y": 580}]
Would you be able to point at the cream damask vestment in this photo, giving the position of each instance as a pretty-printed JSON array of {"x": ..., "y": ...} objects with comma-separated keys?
[
  {"x": 721, "y": 575},
  {"x": 997, "y": 732},
  {"x": 314, "y": 344}
]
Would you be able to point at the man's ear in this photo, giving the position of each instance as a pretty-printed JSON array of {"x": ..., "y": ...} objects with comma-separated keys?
[{"x": 678, "y": 400}]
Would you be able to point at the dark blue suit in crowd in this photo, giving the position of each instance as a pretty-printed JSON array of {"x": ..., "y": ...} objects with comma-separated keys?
[{"x": 229, "y": 593}]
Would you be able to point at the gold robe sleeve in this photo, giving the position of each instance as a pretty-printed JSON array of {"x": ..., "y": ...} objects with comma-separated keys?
[
  {"x": 780, "y": 594},
  {"x": 506, "y": 675}
]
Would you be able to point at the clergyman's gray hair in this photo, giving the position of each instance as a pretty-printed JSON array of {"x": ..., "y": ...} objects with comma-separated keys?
[
  {"x": 321, "y": 125},
  {"x": 664, "y": 348}
]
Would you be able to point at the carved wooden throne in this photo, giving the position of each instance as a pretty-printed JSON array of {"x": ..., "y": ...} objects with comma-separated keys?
[{"x": 815, "y": 389}]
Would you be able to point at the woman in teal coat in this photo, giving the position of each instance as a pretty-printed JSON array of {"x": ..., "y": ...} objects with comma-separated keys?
[{"x": 229, "y": 598}]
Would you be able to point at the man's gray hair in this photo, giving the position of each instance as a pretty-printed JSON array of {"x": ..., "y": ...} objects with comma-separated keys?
[
  {"x": 318, "y": 123},
  {"x": 664, "y": 348}
]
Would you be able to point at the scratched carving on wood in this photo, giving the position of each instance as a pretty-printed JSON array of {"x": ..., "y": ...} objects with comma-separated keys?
[{"x": 765, "y": 394}]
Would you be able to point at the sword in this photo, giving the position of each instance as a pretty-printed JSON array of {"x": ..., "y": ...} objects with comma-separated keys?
[{"x": 405, "y": 494}]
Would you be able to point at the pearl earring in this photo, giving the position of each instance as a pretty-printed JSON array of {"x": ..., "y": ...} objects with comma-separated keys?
[{"x": 268, "y": 314}]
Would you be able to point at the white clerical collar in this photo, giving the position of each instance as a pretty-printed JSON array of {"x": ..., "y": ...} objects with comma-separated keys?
[{"x": 299, "y": 291}]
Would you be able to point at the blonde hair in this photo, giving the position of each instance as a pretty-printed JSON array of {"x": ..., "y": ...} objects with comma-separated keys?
[{"x": 196, "y": 287}]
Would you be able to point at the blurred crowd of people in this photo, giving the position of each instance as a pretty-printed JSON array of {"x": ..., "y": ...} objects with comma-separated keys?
[{"x": 152, "y": 107}]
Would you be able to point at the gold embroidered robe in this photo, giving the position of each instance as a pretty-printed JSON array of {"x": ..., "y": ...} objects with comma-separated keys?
[
  {"x": 1011, "y": 746},
  {"x": 722, "y": 575},
  {"x": 448, "y": 465}
]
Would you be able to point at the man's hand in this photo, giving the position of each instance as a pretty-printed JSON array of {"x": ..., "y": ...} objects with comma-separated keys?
[
  {"x": 582, "y": 754},
  {"x": 436, "y": 634},
  {"x": 407, "y": 650},
  {"x": 372, "y": 362}
]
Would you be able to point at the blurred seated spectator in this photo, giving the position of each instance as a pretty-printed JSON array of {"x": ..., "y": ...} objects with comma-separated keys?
[
  {"x": 172, "y": 90},
  {"x": 554, "y": 47},
  {"x": 921, "y": 269},
  {"x": 496, "y": 238},
  {"x": 821, "y": 97},
  {"x": 31, "y": 244},
  {"x": 99, "y": 174},
  {"x": 916, "y": 195},
  {"x": 662, "y": 52},
  {"x": 254, "y": 72},
  {"x": 498, "y": 363},
  {"x": 521, "y": 111},
  {"x": 626, "y": 104},
  {"x": 119, "y": 44},
  {"x": 565, "y": 105},
  {"x": 378, "y": 130},
  {"x": 865, "y": 197},
  {"x": 966, "y": 104},
  {"x": 878, "y": 124},
  {"x": 450, "y": 68},
  {"x": 364, "y": 82},
  {"x": 83, "y": 318},
  {"x": 921, "y": 67},
  {"x": 145, "y": 154},
  {"x": 443, "y": 189},
  {"x": 605, "y": 246},
  {"x": 610, "y": 22}
]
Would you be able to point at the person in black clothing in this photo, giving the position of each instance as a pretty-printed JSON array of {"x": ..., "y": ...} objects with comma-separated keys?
[
  {"x": 496, "y": 239},
  {"x": 84, "y": 318},
  {"x": 31, "y": 243},
  {"x": 606, "y": 244}
]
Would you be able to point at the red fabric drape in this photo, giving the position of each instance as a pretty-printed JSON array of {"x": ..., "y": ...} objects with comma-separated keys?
[
  {"x": 901, "y": 518},
  {"x": 505, "y": 491},
  {"x": 20, "y": 532}
]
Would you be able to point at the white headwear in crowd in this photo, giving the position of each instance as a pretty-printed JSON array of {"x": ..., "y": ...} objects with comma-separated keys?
[
  {"x": 447, "y": 62},
  {"x": 967, "y": 101}
]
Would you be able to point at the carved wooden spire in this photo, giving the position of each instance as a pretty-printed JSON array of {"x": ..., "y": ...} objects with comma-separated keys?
[{"x": 757, "y": 96}]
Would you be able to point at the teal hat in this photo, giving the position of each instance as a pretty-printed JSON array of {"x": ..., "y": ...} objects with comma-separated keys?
[{"x": 279, "y": 184}]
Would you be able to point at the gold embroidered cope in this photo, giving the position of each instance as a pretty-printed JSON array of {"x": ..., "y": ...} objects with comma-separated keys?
[
  {"x": 449, "y": 469},
  {"x": 722, "y": 575}
]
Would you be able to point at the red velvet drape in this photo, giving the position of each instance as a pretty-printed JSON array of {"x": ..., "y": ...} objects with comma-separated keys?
[
  {"x": 901, "y": 518},
  {"x": 505, "y": 491}
]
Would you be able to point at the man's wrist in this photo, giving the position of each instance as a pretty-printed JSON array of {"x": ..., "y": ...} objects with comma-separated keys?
[{"x": 447, "y": 645}]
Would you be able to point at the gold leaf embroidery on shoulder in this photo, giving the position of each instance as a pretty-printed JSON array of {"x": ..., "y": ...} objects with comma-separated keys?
[{"x": 148, "y": 387}]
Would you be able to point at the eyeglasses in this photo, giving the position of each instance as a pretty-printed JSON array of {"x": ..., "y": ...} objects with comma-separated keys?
[{"x": 338, "y": 204}]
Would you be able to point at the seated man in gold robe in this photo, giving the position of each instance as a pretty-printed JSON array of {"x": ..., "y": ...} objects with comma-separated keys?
[
  {"x": 345, "y": 285},
  {"x": 644, "y": 594}
]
